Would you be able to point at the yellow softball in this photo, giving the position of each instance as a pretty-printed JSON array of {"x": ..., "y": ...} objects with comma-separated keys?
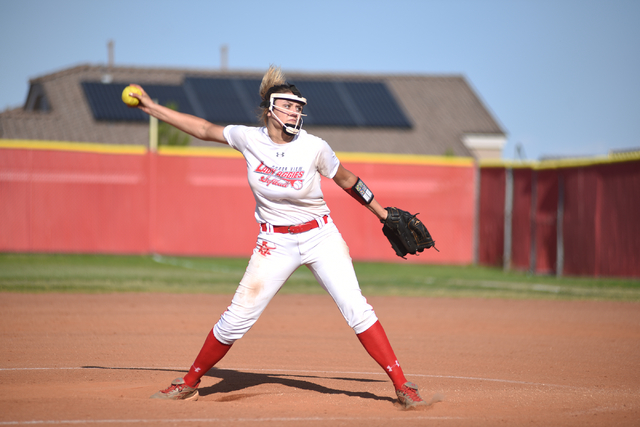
[{"x": 130, "y": 100}]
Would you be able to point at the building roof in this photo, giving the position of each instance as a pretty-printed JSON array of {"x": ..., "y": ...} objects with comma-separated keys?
[{"x": 442, "y": 110}]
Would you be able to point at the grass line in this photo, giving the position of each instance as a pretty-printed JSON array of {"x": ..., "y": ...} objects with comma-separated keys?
[{"x": 36, "y": 273}]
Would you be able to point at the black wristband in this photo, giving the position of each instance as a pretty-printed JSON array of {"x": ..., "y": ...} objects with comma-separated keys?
[{"x": 361, "y": 192}]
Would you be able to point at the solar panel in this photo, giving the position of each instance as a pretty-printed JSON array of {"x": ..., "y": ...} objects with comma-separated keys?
[
  {"x": 222, "y": 100},
  {"x": 235, "y": 101},
  {"x": 325, "y": 107},
  {"x": 351, "y": 103},
  {"x": 166, "y": 95},
  {"x": 249, "y": 92},
  {"x": 376, "y": 104},
  {"x": 106, "y": 102}
]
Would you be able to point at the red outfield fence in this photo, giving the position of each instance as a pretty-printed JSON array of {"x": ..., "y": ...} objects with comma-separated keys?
[
  {"x": 96, "y": 198},
  {"x": 573, "y": 217}
]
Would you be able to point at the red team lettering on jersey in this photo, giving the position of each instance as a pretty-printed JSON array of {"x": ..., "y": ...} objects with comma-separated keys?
[{"x": 280, "y": 178}]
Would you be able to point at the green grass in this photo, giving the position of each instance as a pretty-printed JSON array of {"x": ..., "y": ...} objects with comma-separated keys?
[{"x": 115, "y": 273}]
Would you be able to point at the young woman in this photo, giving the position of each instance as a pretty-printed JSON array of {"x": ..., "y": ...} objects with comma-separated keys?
[{"x": 284, "y": 165}]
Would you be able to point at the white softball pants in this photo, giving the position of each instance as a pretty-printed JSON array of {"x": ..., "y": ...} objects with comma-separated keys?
[{"x": 275, "y": 258}]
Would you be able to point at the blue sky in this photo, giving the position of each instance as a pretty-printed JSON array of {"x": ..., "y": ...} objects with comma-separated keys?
[{"x": 560, "y": 76}]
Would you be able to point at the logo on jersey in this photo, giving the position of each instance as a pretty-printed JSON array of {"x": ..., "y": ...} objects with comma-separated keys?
[
  {"x": 281, "y": 178},
  {"x": 265, "y": 249}
]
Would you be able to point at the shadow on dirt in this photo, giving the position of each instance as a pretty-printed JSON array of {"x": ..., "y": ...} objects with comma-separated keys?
[{"x": 234, "y": 381}]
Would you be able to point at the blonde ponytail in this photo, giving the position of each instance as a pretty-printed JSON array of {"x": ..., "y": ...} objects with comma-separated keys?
[{"x": 273, "y": 77}]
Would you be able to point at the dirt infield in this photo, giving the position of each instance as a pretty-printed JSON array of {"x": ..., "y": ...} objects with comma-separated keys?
[{"x": 95, "y": 359}]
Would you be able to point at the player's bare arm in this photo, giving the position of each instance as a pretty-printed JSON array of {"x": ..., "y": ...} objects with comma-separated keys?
[
  {"x": 347, "y": 180},
  {"x": 194, "y": 126}
]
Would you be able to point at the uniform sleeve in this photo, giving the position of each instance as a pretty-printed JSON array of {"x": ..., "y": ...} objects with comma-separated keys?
[
  {"x": 328, "y": 162},
  {"x": 236, "y": 137}
]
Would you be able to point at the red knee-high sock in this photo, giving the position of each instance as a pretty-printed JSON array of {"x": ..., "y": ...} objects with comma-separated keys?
[
  {"x": 377, "y": 344},
  {"x": 210, "y": 354}
]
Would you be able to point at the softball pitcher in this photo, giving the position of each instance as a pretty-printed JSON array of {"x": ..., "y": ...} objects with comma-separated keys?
[{"x": 284, "y": 168}]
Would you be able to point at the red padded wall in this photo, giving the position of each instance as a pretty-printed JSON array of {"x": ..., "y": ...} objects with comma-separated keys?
[
  {"x": 61, "y": 200},
  {"x": 579, "y": 223},
  {"x": 73, "y": 201},
  {"x": 521, "y": 219},
  {"x": 545, "y": 220},
  {"x": 491, "y": 233},
  {"x": 600, "y": 227},
  {"x": 619, "y": 220},
  {"x": 67, "y": 201},
  {"x": 203, "y": 206},
  {"x": 442, "y": 195}
]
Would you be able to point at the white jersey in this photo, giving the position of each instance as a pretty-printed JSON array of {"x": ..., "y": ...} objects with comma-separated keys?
[{"x": 284, "y": 178}]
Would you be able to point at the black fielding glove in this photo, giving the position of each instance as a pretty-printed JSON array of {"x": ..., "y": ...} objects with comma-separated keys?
[{"x": 406, "y": 233}]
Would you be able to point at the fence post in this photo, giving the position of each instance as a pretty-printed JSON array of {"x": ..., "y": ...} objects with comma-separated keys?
[
  {"x": 508, "y": 215},
  {"x": 532, "y": 227},
  {"x": 559, "y": 227},
  {"x": 153, "y": 149},
  {"x": 153, "y": 133},
  {"x": 597, "y": 232},
  {"x": 476, "y": 219}
]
